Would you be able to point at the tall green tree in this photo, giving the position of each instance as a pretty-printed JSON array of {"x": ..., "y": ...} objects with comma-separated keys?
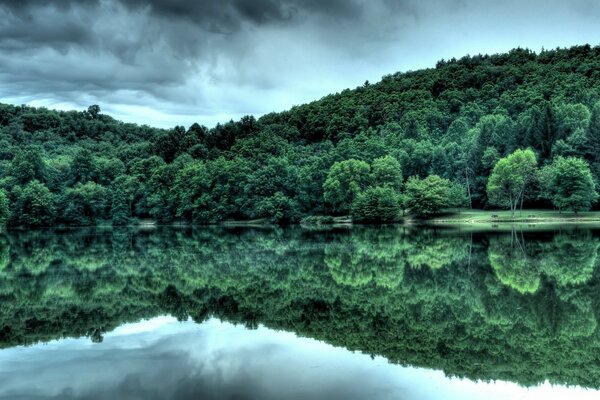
[
  {"x": 592, "y": 144},
  {"x": 82, "y": 167},
  {"x": 510, "y": 179},
  {"x": 35, "y": 205},
  {"x": 345, "y": 180},
  {"x": 86, "y": 203},
  {"x": 542, "y": 130},
  {"x": 120, "y": 211},
  {"x": 4, "y": 209},
  {"x": 28, "y": 165},
  {"x": 386, "y": 171},
  {"x": 568, "y": 184},
  {"x": 191, "y": 193}
]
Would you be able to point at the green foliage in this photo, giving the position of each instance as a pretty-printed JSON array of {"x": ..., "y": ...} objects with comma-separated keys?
[
  {"x": 4, "y": 209},
  {"x": 376, "y": 204},
  {"x": 86, "y": 203},
  {"x": 28, "y": 165},
  {"x": 191, "y": 192},
  {"x": 386, "y": 172},
  {"x": 35, "y": 205},
  {"x": 120, "y": 210},
  {"x": 568, "y": 184},
  {"x": 511, "y": 177},
  {"x": 345, "y": 180},
  {"x": 592, "y": 142},
  {"x": 82, "y": 167},
  {"x": 431, "y": 195}
]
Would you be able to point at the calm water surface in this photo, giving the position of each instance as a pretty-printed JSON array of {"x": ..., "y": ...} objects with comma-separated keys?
[{"x": 390, "y": 313}]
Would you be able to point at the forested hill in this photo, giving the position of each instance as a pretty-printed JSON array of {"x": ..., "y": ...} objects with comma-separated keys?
[{"x": 454, "y": 121}]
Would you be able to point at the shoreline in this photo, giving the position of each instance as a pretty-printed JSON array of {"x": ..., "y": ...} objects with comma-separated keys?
[{"x": 472, "y": 218}]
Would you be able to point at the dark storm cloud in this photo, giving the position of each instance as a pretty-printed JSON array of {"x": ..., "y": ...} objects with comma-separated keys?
[
  {"x": 176, "y": 61},
  {"x": 167, "y": 53},
  {"x": 229, "y": 15}
]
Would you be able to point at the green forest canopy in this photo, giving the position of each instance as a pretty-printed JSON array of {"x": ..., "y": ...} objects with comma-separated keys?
[{"x": 454, "y": 121}]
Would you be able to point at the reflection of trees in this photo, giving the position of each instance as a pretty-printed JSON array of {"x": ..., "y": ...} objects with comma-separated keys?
[
  {"x": 366, "y": 255},
  {"x": 380, "y": 255},
  {"x": 4, "y": 253},
  {"x": 349, "y": 288},
  {"x": 435, "y": 251},
  {"x": 512, "y": 265},
  {"x": 569, "y": 259}
]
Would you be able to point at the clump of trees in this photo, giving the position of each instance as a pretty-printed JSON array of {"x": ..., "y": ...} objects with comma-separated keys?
[
  {"x": 567, "y": 183},
  {"x": 370, "y": 193},
  {"x": 347, "y": 153},
  {"x": 377, "y": 204},
  {"x": 430, "y": 195},
  {"x": 373, "y": 193}
]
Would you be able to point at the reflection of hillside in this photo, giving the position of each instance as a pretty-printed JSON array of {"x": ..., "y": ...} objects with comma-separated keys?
[{"x": 423, "y": 298}]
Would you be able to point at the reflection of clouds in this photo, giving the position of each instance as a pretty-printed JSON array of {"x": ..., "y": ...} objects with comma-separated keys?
[
  {"x": 164, "y": 359},
  {"x": 143, "y": 326}
]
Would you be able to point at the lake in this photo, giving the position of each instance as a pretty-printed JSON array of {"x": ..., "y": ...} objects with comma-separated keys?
[{"x": 294, "y": 313}]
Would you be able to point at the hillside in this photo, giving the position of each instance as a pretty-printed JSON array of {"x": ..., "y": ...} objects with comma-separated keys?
[{"x": 455, "y": 120}]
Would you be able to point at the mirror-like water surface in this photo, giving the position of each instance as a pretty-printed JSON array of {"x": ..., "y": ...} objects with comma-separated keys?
[{"x": 291, "y": 313}]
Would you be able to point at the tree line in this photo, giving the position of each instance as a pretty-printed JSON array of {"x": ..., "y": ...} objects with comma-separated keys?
[{"x": 418, "y": 141}]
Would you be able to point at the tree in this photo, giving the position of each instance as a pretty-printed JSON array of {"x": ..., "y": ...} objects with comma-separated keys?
[
  {"x": 510, "y": 178},
  {"x": 376, "y": 204},
  {"x": 568, "y": 184},
  {"x": 278, "y": 208},
  {"x": 4, "y": 209},
  {"x": 542, "y": 132},
  {"x": 35, "y": 205},
  {"x": 270, "y": 191},
  {"x": 386, "y": 172},
  {"x": 94, "y": 111},
  {"x": 344, "y": 181},
  {"x": 169, "y": 144},
  {"x": 82, "y": 167},
  {"x": 191, "y": 193},
  {"x": 120, "y": 212},
  {"x": 28, "y": 165},
  {"x": 592, "y": 144},
  {"x": 428, "y": 196},
  {"x": 86, "y": 203}
]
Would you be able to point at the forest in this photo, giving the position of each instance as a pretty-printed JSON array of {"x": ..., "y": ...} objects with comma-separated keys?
[{"x": 513, "y": 130}]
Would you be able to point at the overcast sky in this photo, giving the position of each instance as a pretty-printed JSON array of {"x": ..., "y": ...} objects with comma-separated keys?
[{"x": 168, "y": 62}]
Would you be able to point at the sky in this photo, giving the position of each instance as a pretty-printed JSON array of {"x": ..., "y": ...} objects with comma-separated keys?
[{"x": 176, "y": 62}]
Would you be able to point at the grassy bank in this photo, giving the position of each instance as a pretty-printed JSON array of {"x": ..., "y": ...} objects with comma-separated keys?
[{"x": 532, "y": 217}]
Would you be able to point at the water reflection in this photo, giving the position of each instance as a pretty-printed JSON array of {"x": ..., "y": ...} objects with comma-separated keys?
[
  {"x": 164, "y": 359},
  {"x": 514, "y": 306}
]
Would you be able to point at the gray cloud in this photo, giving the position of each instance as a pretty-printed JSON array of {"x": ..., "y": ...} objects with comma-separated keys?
[{"x": 166, "y": 62}]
